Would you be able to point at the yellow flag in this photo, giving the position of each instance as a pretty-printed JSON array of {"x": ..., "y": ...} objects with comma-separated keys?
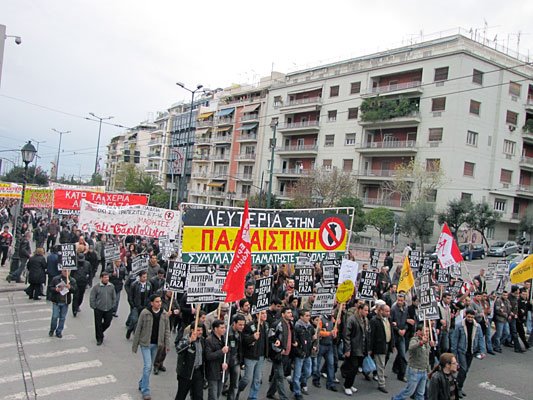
[
  {"x": 407, "y": 280},
  {"x": 523, "y": 271}
]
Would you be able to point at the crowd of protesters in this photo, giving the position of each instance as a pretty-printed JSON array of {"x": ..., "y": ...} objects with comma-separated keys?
[{"x": 301, "y": 349}]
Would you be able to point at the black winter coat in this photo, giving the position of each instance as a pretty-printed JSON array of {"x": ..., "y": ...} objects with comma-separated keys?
[
  {"x": 251, "y": 347},
  {"x": 439, "y": 387},
  {"x": 56, "y": 296},
  {"x": 186, "y": 356},
  {"x": 377, "y": 343},
  {"x": 36, "y": 270},
  {"x": 214, "y": 357},
  {"x": 24, "y": 248}
]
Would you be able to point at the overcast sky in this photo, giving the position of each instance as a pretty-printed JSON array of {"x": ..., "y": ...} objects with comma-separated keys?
[{"x": 122, "y": 58}]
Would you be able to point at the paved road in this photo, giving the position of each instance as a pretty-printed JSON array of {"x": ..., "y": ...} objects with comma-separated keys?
[{"x": 75, "y": 366}]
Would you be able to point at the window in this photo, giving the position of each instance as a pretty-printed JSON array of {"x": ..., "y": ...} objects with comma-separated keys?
[
  {"x": 330, "y": 140},
  {"x": 466, "y": 196},
  {"x": 490, "y": 233},
  {"x": 431, "y": 195},
  {"x": 349, "y": 139},
  {"x": 432, "y": 164},
  {"x": 499, "y": 205},
  {"x": 353, "y": 113},
  {"x": 326, "y": 164},
  {"x": 509, "y": 147},
  {"x": 511, "y": 118},
  {"x": 435, "y": 134},
  {"x": 355, "y": 87},
  {"x": 333, "y": 91},
  {"x": 438, "y": 104},
  {"x": 246, "y": 189},
  {"x": 277, "y": 101},
  {"x": 468, "y": 169},
  {"x": 506, "y": 175},
  {"x": 477, "y": 77},
  {"x": 514, "y": 89},
  {"x": 332, "y": 116},
  {"x": 474, "y": 107},
  {"x": 471, "y": 138},
  {"x": 441, "y": 74},
  {"x": 347, "y": 165}
]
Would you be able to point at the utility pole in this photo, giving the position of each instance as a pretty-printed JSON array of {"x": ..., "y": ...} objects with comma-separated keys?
[
  {"x": 273, "y": 125},
  {"x": 98, "y": 143},
  {"x": 59, "y": 149}
]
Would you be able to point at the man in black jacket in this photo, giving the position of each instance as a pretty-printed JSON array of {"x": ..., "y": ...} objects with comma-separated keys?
[
  {"x": 215, "y": 356},
  {"x": 235, "y": 355},
  {"x": 381, "y": 342},
  {"x": 191, "y": 365},
  {"x": 138, "y": 298},
  {"x": 255, "y": 349},
  {"x": 117, "y": 274},
  {"x": 281, "y": 339},
  {"x": 62, "y": 289},
  {"x": 81, "y": 274},
  {"x": 24, "y": 256},
  {"x": 304, "y": 334}
]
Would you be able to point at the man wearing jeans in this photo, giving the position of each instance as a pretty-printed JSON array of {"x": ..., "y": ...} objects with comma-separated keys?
[
  {"x": 255, "y": 350},
  {"x": 152, "y": 331},
  {"x": 418, "y": 367},
  {"x": 502, "y": 311},
  {"x": 303, "y": 345},
  {"x": 326, "y": 349},
  {"x": 61, "y": 296}
]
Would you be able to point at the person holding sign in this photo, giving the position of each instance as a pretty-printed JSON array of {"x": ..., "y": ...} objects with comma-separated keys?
[
  {"x": 61, "y": 297},
  {"x": 191, "y": 366}
]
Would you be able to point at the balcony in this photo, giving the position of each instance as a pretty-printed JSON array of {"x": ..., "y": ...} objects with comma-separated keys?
[
  {"x": 250, "y": 117},
  {"x": 412, "y": 118},
  {"x": 200, "y": 174},
  {"x": 395, "y": 88},
  {"x": 293, "y": 172},
  {"x": 526, "y": 163},
  {"x": 373, "y": 174},
  {"x": 155, "y": 142},
  {"x": 152, "y": 168},
  {"x": 206, "y": 123},
  {"x": 299, "y": 127},
  {"x": 244, "y": 176},
  {"x": 525, "y": 191},
  {"x": 201, "y": 157},
  {"x": 198, "y": 193},
  {"x": 529, "y": 103},
  {"x": 243, "y": 137},
  {"x": 311, "y": 103},
  {"x": 225, "y": 121},
  {"x": 375, "y": 202},
  {"x": 304, "y": 149},
  {"x": 221, "y": 139},
  {"x": 246, "y": 157},
  {"x": 389, "y": 146},
  {"x": 154, "y": 155},
  {"x": 220, "y": 157}
]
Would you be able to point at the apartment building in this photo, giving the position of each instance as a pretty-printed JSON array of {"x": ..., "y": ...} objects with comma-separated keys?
[
  {"x": 158, "y": 149},
  {"x": 450, "y": 103}
]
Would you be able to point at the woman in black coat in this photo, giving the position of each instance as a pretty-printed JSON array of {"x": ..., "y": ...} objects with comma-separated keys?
[{"x": 36, "y": 273}]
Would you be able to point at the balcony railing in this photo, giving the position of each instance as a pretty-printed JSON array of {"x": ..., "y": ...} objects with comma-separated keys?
[
  {"x": 202, "y": 139},
  {"x": 225, "y": 121},
  {"x": 244, "y": 176},
  {"x": 244, "y": 136},
  {"x": 294, "y": 171},
  {"x": 384, "y": 173},
  {"x": 220, "y": 157},
  {"x": 525, "y": 188},
  {"x": 370, "y": 201},
  {"x": 221, "y": 139},
  {"x": 198, "y": 193},
  {"x": 390, "y": 144},
  {"x": 299, "y": 148},
  {"x": 530, "y": 101},
  {"x": 299, "y": 125},
  {"x": 526, "y": 160},
  {"x": 249, "y": 117},
  {"x": 396, "y": 86},
  {"x": 205, "y": 123},
  {"x": 246, "y": 156},
  {"x": 154, "y": 142},
  {"x": 154, "y": 155},
  {"x": 298, "y": 102},
  {"x": 200, "y": 174},
  {"x": 205, "y": 157}
]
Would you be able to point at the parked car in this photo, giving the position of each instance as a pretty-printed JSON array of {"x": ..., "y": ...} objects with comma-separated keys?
[
  {"x": 478, "y": 251},
  {"x": 501, "y": 249}
]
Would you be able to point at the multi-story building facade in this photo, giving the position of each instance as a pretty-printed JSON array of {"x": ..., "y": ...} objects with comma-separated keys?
[
  {"x": 158, "y": 149},
  {"x": 450, "y": 103}
]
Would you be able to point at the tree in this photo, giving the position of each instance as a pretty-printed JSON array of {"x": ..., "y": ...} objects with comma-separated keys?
[
  {"x": 127, "y": 176},
  {"x": 454, "y": 215},
  {"x": 417, "y": 221},
  {"x": 359, "y": 221},
  {"x": 16, "y": 175},
  {"x": 481, "y": 217},
  {"x": 381, "y": 219},
  {"x": 97, "y": 180},
  {"x": 414, "y": 182},
  {"x": 259, "y": 200},
  {"x": 526, "y": 224},
  {"x": 159, "y": 197}
]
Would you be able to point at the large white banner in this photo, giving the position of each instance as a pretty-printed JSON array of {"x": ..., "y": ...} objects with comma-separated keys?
[{"x": 129, "y": 220}]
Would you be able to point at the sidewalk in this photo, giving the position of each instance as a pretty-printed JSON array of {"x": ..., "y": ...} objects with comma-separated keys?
[{"x": 8, "y": 287}]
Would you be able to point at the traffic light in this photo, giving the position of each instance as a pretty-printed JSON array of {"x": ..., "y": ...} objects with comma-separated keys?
[{"x": 522, "y": 240}]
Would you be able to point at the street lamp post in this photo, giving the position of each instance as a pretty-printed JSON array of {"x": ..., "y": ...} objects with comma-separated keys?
[
  {"x": 59, "y": 149},
  {"x": 181, "y": 185},
  {"x": 28, "y": 154},
  {"x": 98, "y": 143},
  {"x": 273, "y": 125}
]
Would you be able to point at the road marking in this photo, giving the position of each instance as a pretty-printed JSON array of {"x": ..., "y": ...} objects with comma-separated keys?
[
  {"x": 38, "y": 310},
  {"x": 51, "y": 354},
  {"x": 123, "y": 396},
  {"x": 36, "y": 341},
  {"x": 65, "y": 387},
  {"x": 40, "y": 329},
  {"x": 26, "y": 320},
  {"x": 53, "y": 370},
  {"x": 20, "y": 305},
  {"x": 496, "y": 389}
]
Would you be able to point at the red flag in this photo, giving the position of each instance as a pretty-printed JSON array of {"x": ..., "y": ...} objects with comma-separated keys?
[
  {"x": 242, "y": 261},
  {"x": 447, "y": 250}
]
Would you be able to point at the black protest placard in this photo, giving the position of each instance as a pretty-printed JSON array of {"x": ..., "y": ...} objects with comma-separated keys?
[
  {"x": 415, "y": 260},
  {"x": 491, "y": 272},
  {"x": 502, "y": 283},
  {"x": 455, "y": 270},
  {"x": 111, "y": 252},
  {"x": 324, "y": 301},
  {"x": 374, "y": 259},
  {"x": 262, "y": 294},
  {"x": 176, "y": 276},
  {"x": 67, "y": 257},
  {"x": 165, "y": 247},
  {"x": 138, "y": 264},
  {"x": 427, "y": 266},
  {"x": 367, "y": 285},
  {"x": 455, "y": 287},
  {"x": 304, "y": 280},
  {"x": 204, "y": 284},
  {"x": 330, "y": 272},
  {"x": 429, "y": 313},
  {"x": 443, "y": 275},
  {"x": 502, "y": 268}
]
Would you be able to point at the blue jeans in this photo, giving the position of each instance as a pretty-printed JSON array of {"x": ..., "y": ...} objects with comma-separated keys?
[
  {"x": 529, "y": 323},
  {"x": 488, "y": 341},
  {"x": 117, "y": 301},
  {"x": 497, "y": 338},
  {"x": 15, "y": 275},
  {"x": 59, "y": 313},
  {"x": 148, "y": 353},
  {"x": 302, "y": 372},
  {"x": 252, "y": 372},
  {"x": 400, "y": 362},
  {"x": 314, "y": 367},
  {"x": 326, "y": 351},
  {"x": 416, "y": 384}
]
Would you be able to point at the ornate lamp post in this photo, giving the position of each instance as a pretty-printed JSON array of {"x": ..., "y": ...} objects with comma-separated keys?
[{"x": 28, "y": 154}]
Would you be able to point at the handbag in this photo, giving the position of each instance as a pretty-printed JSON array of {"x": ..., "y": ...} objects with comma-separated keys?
[{"x": 369, "y": 365}]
